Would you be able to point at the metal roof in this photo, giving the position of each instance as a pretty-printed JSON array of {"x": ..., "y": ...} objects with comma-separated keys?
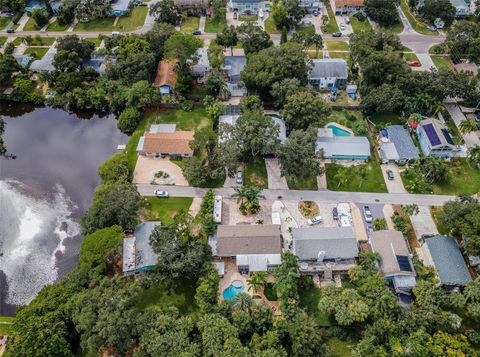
[
  {"x": 346, "y": 146},
  {"x": 258, "y": 262},
  {"x": 163, "y": 128},
  {"x": 145, "y": 254},
  {"x": 403, "y": 142},
  {"x": 336, "y": 242},
  {"x": 388, "y": 151},
  {"x": 329, "y": 67},
  {"x": 448, "y": 261}
]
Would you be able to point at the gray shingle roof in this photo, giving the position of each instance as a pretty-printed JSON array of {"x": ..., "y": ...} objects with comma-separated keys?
[
  {"x": 248, "y": 239},
  {"x": 142, "y": 243},
  {"x": 448, "y": 261},
  {"x": 329, "y": 67},
  {"x": 406, "y": 149},
  {"x": 336, "y": 242}
]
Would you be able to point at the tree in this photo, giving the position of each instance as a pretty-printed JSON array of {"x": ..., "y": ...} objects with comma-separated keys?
[
  {"x": 379, "y": 224},
  {"x": 40, "y": 17},
  {"x": 139, "y": 95},
  {"x": 248, "y": 197},
  {"x": 8, "y": 66},
  {"x": 305, "y": 109},
  {"x": 115, "y": 203},
  {"x": 216, "y": 56},
  {"x": 13, "y": 5},
  {"x": 306, "y": 337},
  {"x": 181, "y": 47},
  {"x": 460, "y": 36},
  {"x": 308, "y": 39},
  {"x": 468, "y": 126},
  {"x": 280, "y": 15},
  {"x": 342, "y": 176},
  {"x": 215, "y": 330},
  {"x": 346, "y": 305},
  {"x": 157, "y": 36},
  {"x": 243, "y": 302},
  {"x": 474, "y": 50},
  {"x": 253, "y": 38},
  {"x": 257, "y": 281},
  {"x": 283, "y": 36},
  {"x": 166, "y": 11},
  {"x": 251, "y": 103},
  {"x": 434, "y": 169},
  {"x": 206, "y": 295},
  {"x": 287, "y": 279},
  {"x": 93, "y": 9},
  {"x": 298, "y": 156},
  {"x": 283, "y": 89},
  {"x": 216, "y": 85},
  {"x": 228, "y": 38},
  {"x": 443, "y": 343},
  {"x": 135, "y": 67},
  {"x": 66, "y": 13},
  {"x": 474, "y": 155},
  {"x": 382, "y": 11},
  {"x": 411, "y": 209},
  {"x": 71, "y": 53},
  {"x": 442, "y": 9},
  {"x": 129, "y": 119},
  {"x": 115, "y": 169}
]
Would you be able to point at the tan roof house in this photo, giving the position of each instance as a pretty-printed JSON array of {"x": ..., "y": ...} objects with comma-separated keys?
[
  {"x": 254, "y": 247},
  {"x": 166, "y": 77},
  {"x": 164, "y": 139},
  {"x": 348, "y": 7}
]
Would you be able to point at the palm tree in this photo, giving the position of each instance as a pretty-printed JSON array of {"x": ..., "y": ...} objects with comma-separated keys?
[
  {"x": 474, "y": 155},
  {"x": 243, "y": 302},
  {"x": 248, "y": 197},
  {"x": 468, "y": 126},
  {"x": 257, "y": 280},
  {"x": 341, "y": 176}
]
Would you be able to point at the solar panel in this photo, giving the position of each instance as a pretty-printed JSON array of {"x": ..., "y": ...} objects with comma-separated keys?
[
  {"x": 432, "y": 135},
  {"x": 447, "y": 136},
  {"x": 404, "y": 263}
]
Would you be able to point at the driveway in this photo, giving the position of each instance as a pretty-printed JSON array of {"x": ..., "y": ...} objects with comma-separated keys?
[
  {"x": 147, "y": 167},
  {"x": 395, "y": 185},
  {"x": 377, "y": 213},
  {"x": 423, "y": 222},
  {"x": 275, "y": 179},
  {"x": 471, "y": 139},
  {"x": 341, "y": 20},
  {"x": 426, "y": 61}
]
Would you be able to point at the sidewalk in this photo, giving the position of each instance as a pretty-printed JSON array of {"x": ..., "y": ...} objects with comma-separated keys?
[{"x": 201, "y": 26}]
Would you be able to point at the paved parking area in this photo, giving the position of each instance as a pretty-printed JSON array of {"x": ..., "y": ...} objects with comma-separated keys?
[
  {"x": 146, "y": 168},
  {"x": 341, "y": 20},
  {"x": 423, "y": 222},
  {"x": 377, "y": 213},
  {"x": 275, "y": 179},
  {"x": 395, "y": 185},
  {"x": 232, "y": 216},
  {"x": 324, "y": 210}
]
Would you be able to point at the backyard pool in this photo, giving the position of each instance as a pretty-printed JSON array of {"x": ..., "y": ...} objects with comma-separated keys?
[
  {"x": 337, "y": 131},
  {"x": 235, "y": 288}
]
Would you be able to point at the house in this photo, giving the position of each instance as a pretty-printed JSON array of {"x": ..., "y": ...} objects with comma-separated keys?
[
  {"x": 462, "y": 9},
  {"x": 232, "y": 121},
  {"x": 45, "y": 64},
  {"x": 342, "y": 147},
  {"x": 348, "y": 7},
  {"x": 395, "y": 259},
  {"x": 443, "y": 254},
  {"x": 254, "y": 247},
  {"x": 246, "y": 6},
  {"x": 232, "y": 67},
  {"x": 165, "y": 139},
  {"x": 311, "y": 5},
  {"x": 166, "y": 78},
  {"x": 396, "y": 145},
  {"x": 99, "y": 63},
  {"x": 121, "y": 7},
  {"x": 138, "y": 255},
  {"x": 42, "y": 5},
  {"x": 328, "y": 73},
  {"x": 201, "y": 68},
  {"x": 435, "y": 140},
  {"x": 325, "y": 249}
]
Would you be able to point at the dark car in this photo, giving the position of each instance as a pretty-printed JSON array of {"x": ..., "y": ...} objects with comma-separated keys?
[
  {"x": 337, "y": 34},
  {"x": 390, "y": 175},
  {"x": 10, "y": 30},
  {"x": 197, "y": 32},
  {"x": 129, "y": 231},
  {"x": 335, "y": 213}
]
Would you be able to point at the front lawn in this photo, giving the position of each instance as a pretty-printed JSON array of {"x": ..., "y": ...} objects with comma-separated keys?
[
  {"x": 416, "y": 24},
  {"x": 435, "y": 211},
  {"x": 4, "y": 21},
  {"x": 384, "y": 119},
  {"x": 31, "y": 25},
  {"x": 464, "y": 179},
  {"x": 55, "y": 26},
  {"x": 410, "y": 56},
  {"x": 36, "y": 52},
  {"x": 215, "y": 25},
  {"x": 135, "y": 19},
  {"x": 337, "y": 46},
  {"x": 164, "y": 209},
  {"x": 270, "y": 26},
  {"x": 3, "y": 40},
  {"x": 309, "y": 298},
  {"x": 395, "y": 28},
  {"x": 248, "y": 18},
  {"x": 309, "y": 183},
  {"x": 42, "y": 41},
  {"x": 192, "y": 120},
  {"x": 95, "y": 41},
  {"x": 190, "y": 24},
  {"x": 306, "y": 29},
  {"x": 358, "y": 25},
  {"x": 366, "y": 177},
  {"x": 179, "y": 293},
  {"x": 342, "y": 55},
  {"x": 442, "y": 62},
  {"x": 332, "y": 25},
  {"x": 256, "y": 173},
  {"x": 94, "y": 25}
]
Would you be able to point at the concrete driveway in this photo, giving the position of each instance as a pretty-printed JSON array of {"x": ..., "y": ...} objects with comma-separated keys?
[
  {"x": 377, "y": 213},
  {"x": 423, "y": 222},
  {"x": 275, "y": 179},
  {"x": 395, "y": 185},
  {"x": 341, "y": 20},
  {"x": 146, "y": 168}
]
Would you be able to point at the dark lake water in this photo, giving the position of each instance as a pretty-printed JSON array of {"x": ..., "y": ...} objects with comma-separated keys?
[{"x": 44, "y": 192}]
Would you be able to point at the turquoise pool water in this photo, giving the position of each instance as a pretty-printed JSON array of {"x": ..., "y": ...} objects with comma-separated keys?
[
  {"x": 235, "y": 288},
  {"x": 338, "y": 131}
]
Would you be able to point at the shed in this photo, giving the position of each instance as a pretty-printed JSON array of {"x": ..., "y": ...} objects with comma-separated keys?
[{"x": 166, "y": 78}]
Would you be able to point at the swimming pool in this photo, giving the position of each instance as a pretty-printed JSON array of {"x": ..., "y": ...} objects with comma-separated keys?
[
  {"x": 338, "y": 131},
  {"x": 235, "y": 288}
]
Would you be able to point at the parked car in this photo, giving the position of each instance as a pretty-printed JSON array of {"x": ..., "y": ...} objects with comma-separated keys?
[
  {"x": 347, "y": 20},
  {"x": 335, "y": 213},
  {"x": 390, "y": 175},
  {"x": 316, "y": 13},
  {"x": 239, "y": 178},
  {"x": 160, "y": 193},
  {"x": 315, "y": 220},
  {"x": 84, "y": 20},
  {"x": 140, "y": 3},
  {"x": 10, "y": 30},
  {"x": 413, "y": 63},
  {"x": 337, "y": 34},
  {"x": 197, "y": 32},
  {"x": 342, "y": 26},
  {"x": 367, "y": 214}
]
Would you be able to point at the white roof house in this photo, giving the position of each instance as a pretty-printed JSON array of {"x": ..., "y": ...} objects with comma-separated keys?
[{"x": 342, "y": 147}]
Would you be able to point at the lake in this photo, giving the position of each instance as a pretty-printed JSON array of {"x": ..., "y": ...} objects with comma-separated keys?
[{"x": 43, "y": 193}]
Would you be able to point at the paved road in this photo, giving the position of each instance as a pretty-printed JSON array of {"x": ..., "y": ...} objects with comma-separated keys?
[{"x": 321, "y": 196}]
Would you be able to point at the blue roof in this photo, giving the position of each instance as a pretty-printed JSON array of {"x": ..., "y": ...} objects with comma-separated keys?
[
  {"x": 403, "y": 142},
  {"x": 448, "y": 261}
]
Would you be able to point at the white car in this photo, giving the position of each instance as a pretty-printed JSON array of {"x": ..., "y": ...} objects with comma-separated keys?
[
  {"x": 160, "y": 193},
  {"x": 368, "y": 214},
  {"x": 315, "y": 220},
  {"x": 342, "y": 26}
]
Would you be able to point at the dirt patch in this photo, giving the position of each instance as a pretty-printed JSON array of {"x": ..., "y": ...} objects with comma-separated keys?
[
  {"x": 256, "y": 180},
  {"x": 308, "y": 209}
]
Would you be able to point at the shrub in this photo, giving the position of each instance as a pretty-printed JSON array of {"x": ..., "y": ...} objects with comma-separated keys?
[
  {"x": 129, "y": 119},
  {"x": 187, "y": 105}
]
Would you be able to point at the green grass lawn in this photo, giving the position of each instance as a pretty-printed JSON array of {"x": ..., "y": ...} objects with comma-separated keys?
[
  {"x": 416, "y": 24},
  {"x": 410, "y": 56},
  {"x": 190, "y": 24},
  {"x": 55, "y": 26},
  {"x": 339, "y": 348},
  {"x": 3, "y": 40},
  {"x": 301, "y": 183},
  {"x": 309, "y": 298},
  {"x": 42, "y": 41},
  {"x": 442, "y": 62},
  {"x": 135, "y": 19},
  {"x": 270, "y": 26},
  {"x": 163, "y": 209},
  {"x": 95, "y": 41},
  {"x": 6, "y": 328},
  {"x": 256, "y": 173},
  {"x": 343, "y": 55},
  {"x": 350, "y": 119},
  {"x": 214, "y": 25},
  {"x": 372, "y": 182},
  {"x": 306, "y": 28},
  {"x": 464, "y": 179},
  {"x": 250, "y": 18},
  {"x": 358, "y": 25},
  {"x": 337, "y": 46},
  {"x": 395, "y": 28},
  {"x": 181, "y": 295},
  {"x": 36, "y": 52},
  {"x": 382, "y": 119},
  {"x": 435, "y": 211},
  {"x": 102, "y": 24},
  {"x": 332, "y": 25},
  {"x": 31, "y": 25},
  {"x": 314, "y": 54},
  {"x": 4, "y": 21}
]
